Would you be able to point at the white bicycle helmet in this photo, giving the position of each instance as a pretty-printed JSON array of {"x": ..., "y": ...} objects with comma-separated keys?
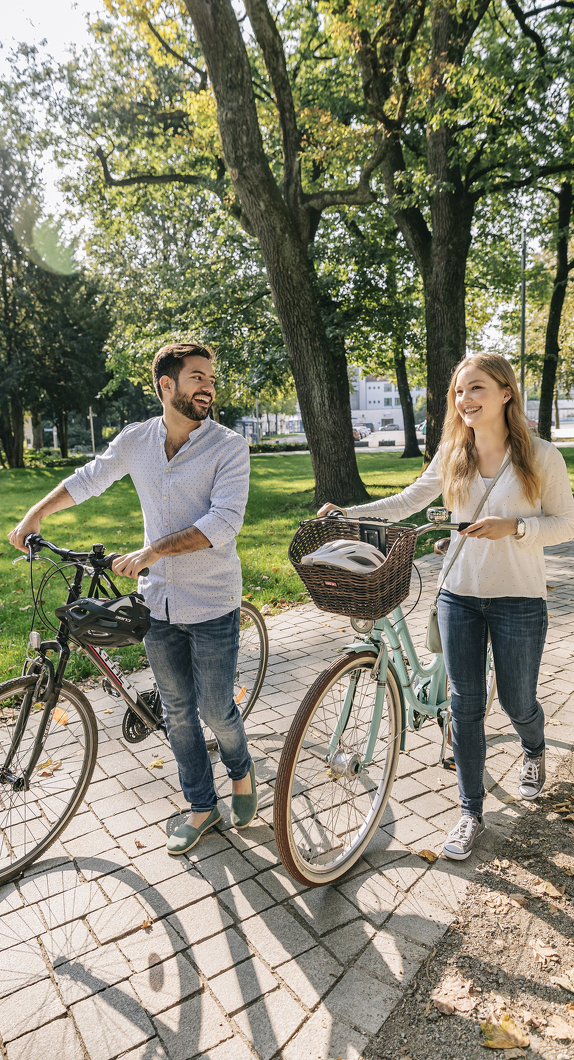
[{"x": 356, "y": 556}]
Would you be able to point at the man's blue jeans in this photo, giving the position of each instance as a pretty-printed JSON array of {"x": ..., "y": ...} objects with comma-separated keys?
[
  {"x": 517, "y": 627},
  {"x": 194, "y": 667}
]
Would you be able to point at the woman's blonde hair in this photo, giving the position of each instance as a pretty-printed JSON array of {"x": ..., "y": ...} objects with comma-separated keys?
[{"x": 458, "y": 457}]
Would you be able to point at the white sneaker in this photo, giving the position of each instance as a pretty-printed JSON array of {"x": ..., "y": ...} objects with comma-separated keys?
[{"x": 459, "y": 842}]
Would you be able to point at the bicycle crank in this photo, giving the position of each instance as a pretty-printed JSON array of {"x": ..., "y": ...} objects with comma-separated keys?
[{"x": 133, "y": 728}]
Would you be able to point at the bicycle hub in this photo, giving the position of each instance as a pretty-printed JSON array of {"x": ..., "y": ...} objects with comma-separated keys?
[{"x": 343, "y": 764}]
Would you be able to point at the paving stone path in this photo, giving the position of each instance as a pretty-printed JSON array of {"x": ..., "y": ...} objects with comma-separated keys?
[{"x": 112, "y": 948}]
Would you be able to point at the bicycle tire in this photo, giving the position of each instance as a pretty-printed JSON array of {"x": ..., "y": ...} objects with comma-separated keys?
[
  {"x": 31, "y": 821},
  {"x": 323, "y": 821},
  {"x": 252, "y": 658}
]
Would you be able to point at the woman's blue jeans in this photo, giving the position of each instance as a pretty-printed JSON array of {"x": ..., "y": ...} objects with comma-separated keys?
[
  {"x": 194, "y": 668},
  {"x": 517, "y": 627}
]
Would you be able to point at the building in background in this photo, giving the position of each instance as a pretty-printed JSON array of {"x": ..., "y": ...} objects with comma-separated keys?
[{"x": 376, "y": 400}]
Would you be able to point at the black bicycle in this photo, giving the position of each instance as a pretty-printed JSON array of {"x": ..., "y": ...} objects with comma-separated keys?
[{"x": 48, "y": 731}]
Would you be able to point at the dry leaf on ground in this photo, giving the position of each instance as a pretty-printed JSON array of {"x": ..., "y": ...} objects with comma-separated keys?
[
  {"x": 156, "y": 764},
  {"x": 510, "y": 1054},
  {"x": 146, "y": 924},
  {"x": 518, "y": 899},
  {"x": 139, "y": 845},
  {"x": 509, "y": 799},
  {"x": 504, "y": 864},
  {"x": 496, "y": 901},
  {"x": 428, "y": 855},
  {"x": 60, "y": 716},
  {"x": 559, "y": 1028},
  {"x": 565, "y": 979},
  {"x": 531, "y": 1020},
  {"x": 546, "y": 887},
  {"x": 504, "y": 1035},
  {"x": 543, "y": 951},
  {"x": 453, "y": 995}
]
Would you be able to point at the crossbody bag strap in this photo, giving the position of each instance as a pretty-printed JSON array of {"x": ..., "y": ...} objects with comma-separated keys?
[{"x": 460, "y": 545}]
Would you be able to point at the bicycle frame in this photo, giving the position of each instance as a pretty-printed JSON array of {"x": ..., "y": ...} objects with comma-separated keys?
[{"x": 424, "y": 681}]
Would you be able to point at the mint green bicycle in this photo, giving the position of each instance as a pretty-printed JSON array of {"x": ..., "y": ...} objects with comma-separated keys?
[{"x": 341, "y": 753}]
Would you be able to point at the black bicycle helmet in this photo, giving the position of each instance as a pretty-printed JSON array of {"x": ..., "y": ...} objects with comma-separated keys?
[{"x": 107, "y": 623}]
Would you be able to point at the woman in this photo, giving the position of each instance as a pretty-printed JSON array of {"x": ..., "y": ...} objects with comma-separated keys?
[{"x": 497, "y": 584}]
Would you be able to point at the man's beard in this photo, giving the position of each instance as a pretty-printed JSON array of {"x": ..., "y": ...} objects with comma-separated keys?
[{"x": 187, "y": 407}]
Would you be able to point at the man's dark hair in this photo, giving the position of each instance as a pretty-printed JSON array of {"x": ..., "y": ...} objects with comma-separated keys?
[{"x": 169, "y": 360}]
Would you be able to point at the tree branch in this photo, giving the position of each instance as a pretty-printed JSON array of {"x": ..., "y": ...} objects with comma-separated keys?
[
  {"x": 269, "y": 40},
  {"x": 202, "y": 74},
  {"x": 361, "y": 195},
  {"x": 175, "y": 178},
  {"x": 518, "y": 13},
  {"x": 543, "y": 171},
  {"x": 549, "y": 7}
]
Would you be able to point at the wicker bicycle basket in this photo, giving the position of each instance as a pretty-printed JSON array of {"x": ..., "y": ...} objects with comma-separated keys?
[{"x": 343, "y": 592}]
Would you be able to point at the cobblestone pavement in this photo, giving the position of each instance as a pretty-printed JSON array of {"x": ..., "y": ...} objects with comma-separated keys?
[{"x": 237, "y": 961}]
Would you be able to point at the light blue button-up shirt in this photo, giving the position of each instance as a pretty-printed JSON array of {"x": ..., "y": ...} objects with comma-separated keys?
[{"x": 204, "y": 485}]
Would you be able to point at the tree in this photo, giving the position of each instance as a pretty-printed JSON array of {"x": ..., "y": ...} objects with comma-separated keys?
[
  {"x": 470, "y": 101},
  {"x": 552, "y": 344}
]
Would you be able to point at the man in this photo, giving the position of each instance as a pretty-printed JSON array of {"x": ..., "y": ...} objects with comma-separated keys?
[{"x": 192, "y": 478}]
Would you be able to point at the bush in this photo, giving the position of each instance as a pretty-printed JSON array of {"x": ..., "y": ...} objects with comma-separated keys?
[
  {"x": 51, "y": 458},
  {"x": 281, "y": 447}
]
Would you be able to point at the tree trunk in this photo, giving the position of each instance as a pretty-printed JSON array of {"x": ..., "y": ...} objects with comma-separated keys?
[
  {"x": 556, "y": 410},
  {"x": 319, "y": 367},
  {"x": 62, "y": 426},
  {"x": 37, "y": 435},
  {"x": 411, "y": 444},
  {"x": 16, "y": 453},
  {"x": 551, "y": 346}
]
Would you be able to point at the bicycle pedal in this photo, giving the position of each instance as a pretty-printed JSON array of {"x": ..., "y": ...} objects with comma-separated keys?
[{"x": 449, "y": 763}]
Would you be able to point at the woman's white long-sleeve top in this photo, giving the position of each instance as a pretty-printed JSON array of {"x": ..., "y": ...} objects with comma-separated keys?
[{"x": 511, "y": 566}]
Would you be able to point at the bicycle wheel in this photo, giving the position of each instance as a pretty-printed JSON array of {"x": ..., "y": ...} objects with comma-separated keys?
[
  {"x": 324, "y": 816},
  {"x": 31, "y": 820},
  {"x": 252, "y": 659}
]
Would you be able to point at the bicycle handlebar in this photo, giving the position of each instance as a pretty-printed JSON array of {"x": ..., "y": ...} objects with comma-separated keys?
[
  {"x": 99, "y": 561},
  {"x": 336, "y": 513}
]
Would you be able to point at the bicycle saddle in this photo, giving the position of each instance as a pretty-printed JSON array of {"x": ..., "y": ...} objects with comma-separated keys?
[
  {"x": 357, "y": 556},
  {"x": 107, "y": 623}
]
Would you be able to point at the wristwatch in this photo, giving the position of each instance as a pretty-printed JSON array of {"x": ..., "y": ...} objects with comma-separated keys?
[{"x": 520, "y": 528}]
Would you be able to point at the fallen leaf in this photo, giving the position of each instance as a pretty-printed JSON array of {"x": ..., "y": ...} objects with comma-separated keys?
[
  {"x": 109, "y": 711},
  {"x": 498, "y": 902},
  {"x": 504, "y": 1035},
  {"x": 139, "y": 845},
  {"x": 453, "y": 995},
  {"x": 508, "y": 799},
  {"x": 60, "y": 716},
  {"x": 504, "y": 864},
  {"x": 570, "y": 1008},
  {"x": 42, "y": 765},
  {"x": 559, "y": 1028},
  {"x": 156, "y": 764},
  {"x": 553, "y": 909},
  {"x": 530, "y": 1020},
  {"x": 241, "y": 694},
  {"x": 543, "y": 951},
  {"x": 545, "y": 887},
  {"x": 519, "y": 900},
  {"x": 565, "y": 979},
  {"x": 428, "y": 855},
  {"x": 511, "y": 1053},
  {"x": 146, "y": 924}
]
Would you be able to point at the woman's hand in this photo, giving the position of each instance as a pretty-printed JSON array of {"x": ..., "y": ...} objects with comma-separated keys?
[
  {"x": 130, "y": 565},
  {"x": 330, "y": 508},
  {"x": 493, "y": 527}
]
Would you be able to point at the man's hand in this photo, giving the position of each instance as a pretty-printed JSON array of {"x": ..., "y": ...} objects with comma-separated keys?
[
  {"x": 30, "y": 524},
  {"x": 130, "y": 565},
  {"x": 493, "y": 527},
  {"x": 329, "y": 508}
]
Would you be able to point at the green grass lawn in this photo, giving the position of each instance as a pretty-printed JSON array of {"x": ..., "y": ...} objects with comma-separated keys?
[{"x": 281, "y": 494}]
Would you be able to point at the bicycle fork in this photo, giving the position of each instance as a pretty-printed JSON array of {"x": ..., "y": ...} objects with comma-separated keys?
[{"x": 340, "y": 761}]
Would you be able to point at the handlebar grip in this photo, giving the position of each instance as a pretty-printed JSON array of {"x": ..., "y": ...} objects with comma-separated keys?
[
  {"x": 463, "y": 526},
  {"x": 111, "y": 556},
  {"x": 336, "y": 513},
  {"x": 143, "y": 572}
]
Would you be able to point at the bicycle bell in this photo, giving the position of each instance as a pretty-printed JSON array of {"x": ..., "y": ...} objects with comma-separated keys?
[{"x": 438, "y": 516}]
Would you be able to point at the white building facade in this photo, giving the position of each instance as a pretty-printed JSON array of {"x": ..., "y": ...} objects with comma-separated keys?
[{"x": 376, "y": 400}]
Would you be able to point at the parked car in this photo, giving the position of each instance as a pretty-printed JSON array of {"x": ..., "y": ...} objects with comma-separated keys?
[
  {"x": 391, "y": 427},
  {"x": 360, "y": 430},
  {"x": 422, "y": 428}
]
